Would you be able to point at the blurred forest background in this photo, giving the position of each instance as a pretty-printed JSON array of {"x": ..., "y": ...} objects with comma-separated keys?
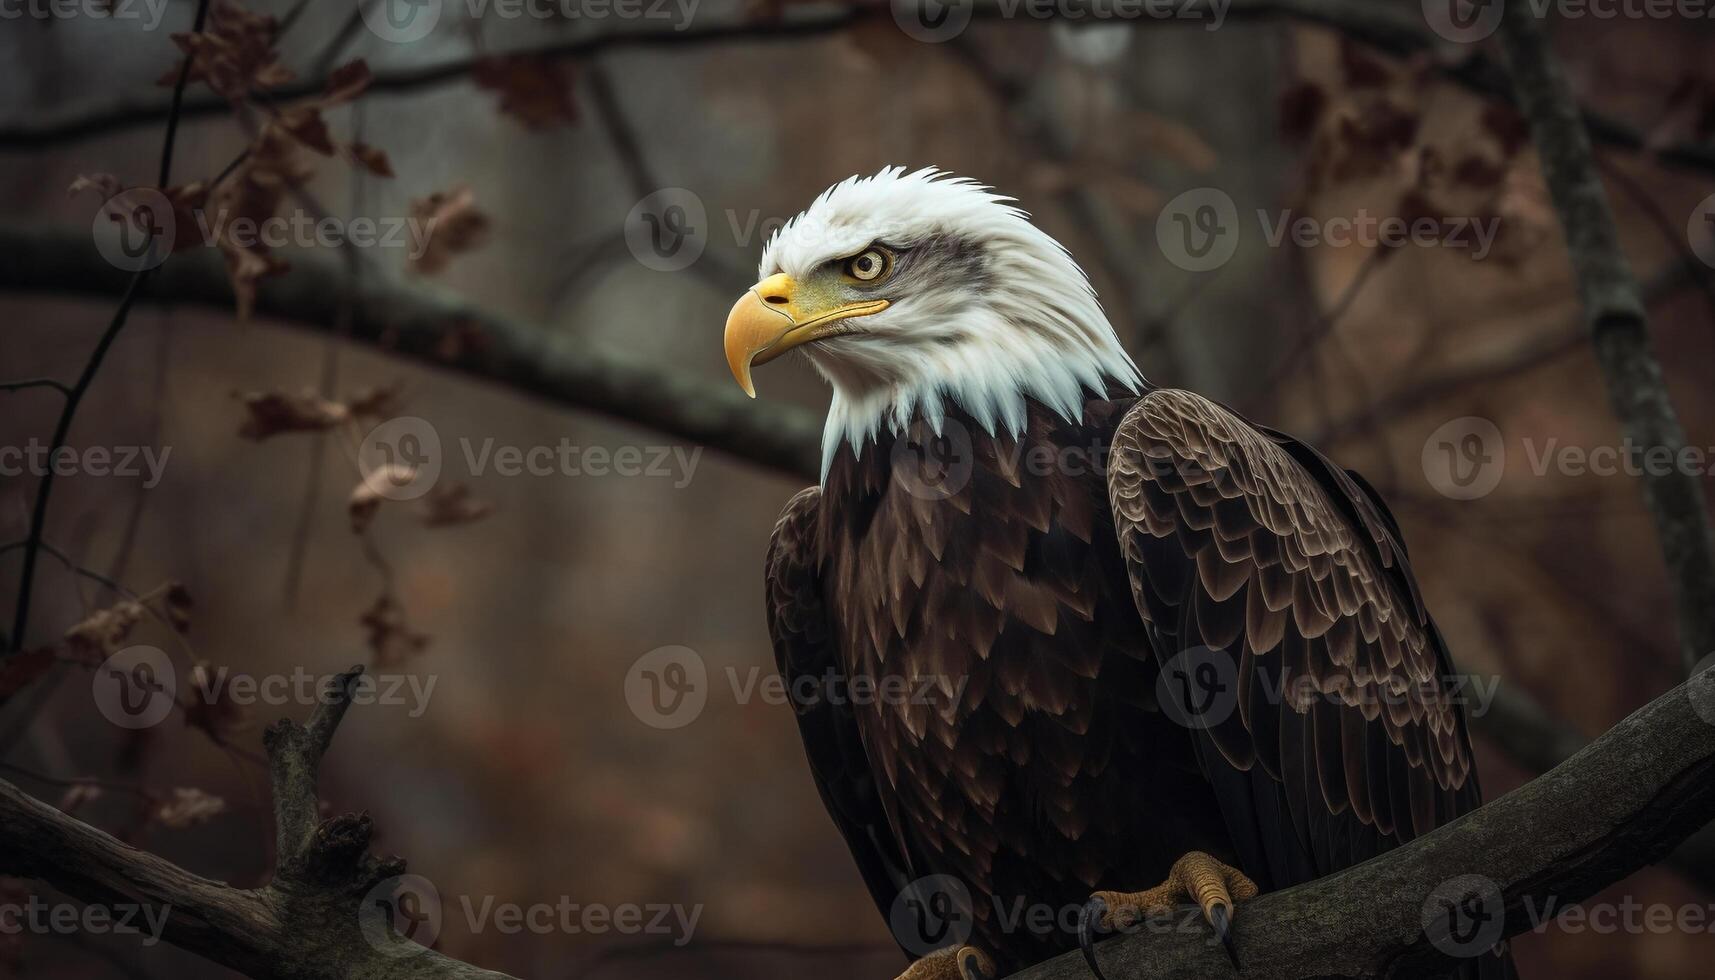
[{"x": 530, "y": 777}]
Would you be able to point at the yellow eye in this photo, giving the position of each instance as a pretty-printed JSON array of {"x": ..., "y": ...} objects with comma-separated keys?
[{"x": 868, "y": 265}]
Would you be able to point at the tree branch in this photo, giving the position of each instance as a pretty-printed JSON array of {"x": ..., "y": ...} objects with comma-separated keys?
[
  {"x": 1615, "y": 317},
  {"x": 419, "y": 322},
  {"x": 303, "y": 925},
  {"x": 1616, "y": 806},
  {"x": 1395, "y": 30}
]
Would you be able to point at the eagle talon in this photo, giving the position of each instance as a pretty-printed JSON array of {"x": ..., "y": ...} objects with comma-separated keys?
[
  {"x": 1096, "y": 912},
  {"x": 952, "y": 963},
  {"x": 1196, "y": 877}
]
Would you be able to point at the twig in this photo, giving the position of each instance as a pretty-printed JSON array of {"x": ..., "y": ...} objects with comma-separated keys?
[{"x": 1615, "y": 318}]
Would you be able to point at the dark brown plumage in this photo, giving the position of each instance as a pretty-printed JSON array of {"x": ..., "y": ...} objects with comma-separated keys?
[{"x": 1045, "y": 592}]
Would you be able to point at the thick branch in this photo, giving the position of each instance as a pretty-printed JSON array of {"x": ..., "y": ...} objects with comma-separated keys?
[
  {"x": 1615, "y": 317},
  {"x": 303, "y": 925},
  {"x": 417, "y": 321},
  {"x": 1617, "y": 806}
]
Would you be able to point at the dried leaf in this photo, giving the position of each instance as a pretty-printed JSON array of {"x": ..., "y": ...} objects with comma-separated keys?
[
  {"x": 100, "y": 634},
  {"x": 77, "y": 795},
  {"x": 1360, "y": 68},
  {"x": 20, "y": 670},
  {"x": 234, "y": 54},
  {"x": 366, "y": 497},
  {"x": 189, "y": 807},
  {"x": 1301, "y": 108},
  {"x": 218, "y": 717},
  {"x": 390, "y": 638},
  {"x": 176, "y": 606},
  {"x": 449, "y": 505},
  {"x": 371, "y": 159},
  {"x": 533, "y": 89},
  {"x": 451, "y": 225},
  {"x": 269, "y": 413},
  {"x": 106, "y": 185}
]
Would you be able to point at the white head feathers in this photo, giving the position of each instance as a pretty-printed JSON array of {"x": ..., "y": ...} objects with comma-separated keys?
[{"x": 986, "y": 309}]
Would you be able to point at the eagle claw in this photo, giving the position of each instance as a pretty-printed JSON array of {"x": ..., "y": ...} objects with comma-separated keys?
[{"x": 1091, "y": 918}]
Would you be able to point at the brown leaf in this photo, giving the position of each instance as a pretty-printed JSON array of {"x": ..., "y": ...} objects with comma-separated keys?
[
  {"x": 189, "y": 807},
  {"x": 106, "y": 185},
  {"x": 1301, "y": 107},
  {"x": 77, "y": 795},
  {"x": 533, "y": 89},
  {"x": 205, "y": 710},
  {"x": 366, "y": 498},
  {"x": 234, "y": 54},
  {"x": 269, "y": 413},
  {"x": 1360, "y": 68},
  {"x": 176, "y": 606},
  {"x": 390, "y": 637},
  {"x": 451, "y": 225},
  {"x": 449, "y": 505},
  {"x": 346, "y": 83},
  {"x": 21, "y": 669},
  {"x": 100, "y": 634},
  {"x": 371, "y": 159}
]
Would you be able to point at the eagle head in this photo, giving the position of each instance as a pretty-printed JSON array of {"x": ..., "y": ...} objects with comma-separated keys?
[{"x": 910, "y": 292}]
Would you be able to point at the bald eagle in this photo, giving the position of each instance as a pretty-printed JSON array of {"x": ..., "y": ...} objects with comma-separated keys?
[{"x": 1124, "y": 649}]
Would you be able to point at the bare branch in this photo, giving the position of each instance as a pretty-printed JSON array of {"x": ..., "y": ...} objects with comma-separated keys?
[
  {"x": 1615, "y": 318},
  {"x": 420, "y": 322}
]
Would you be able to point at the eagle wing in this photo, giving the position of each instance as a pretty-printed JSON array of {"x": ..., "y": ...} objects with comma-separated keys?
[
  {"x": 804, "y": 649},
  {"x": 1342, "y": 737}
]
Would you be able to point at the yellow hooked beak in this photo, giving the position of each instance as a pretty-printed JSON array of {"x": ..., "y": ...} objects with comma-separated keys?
[{"x": 772, "y": 317}]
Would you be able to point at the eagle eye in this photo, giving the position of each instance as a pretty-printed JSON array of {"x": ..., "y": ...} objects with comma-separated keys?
[{"x": 869, "y": 265}]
